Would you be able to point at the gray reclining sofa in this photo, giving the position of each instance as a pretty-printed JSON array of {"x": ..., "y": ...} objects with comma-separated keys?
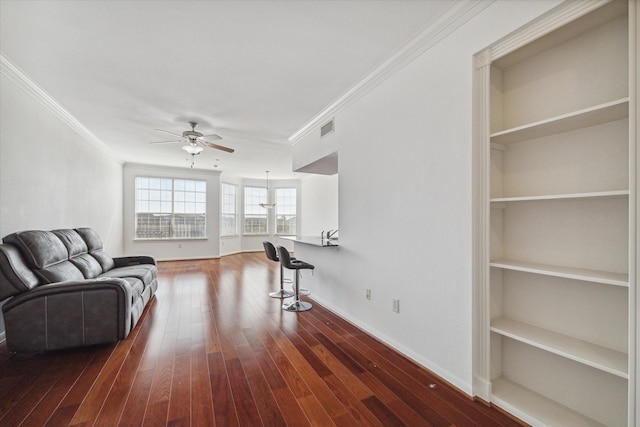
[{"x": 65, "y": 291}]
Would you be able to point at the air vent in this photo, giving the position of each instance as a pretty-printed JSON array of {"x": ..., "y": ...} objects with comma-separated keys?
[{"x": 327, "y": 128}]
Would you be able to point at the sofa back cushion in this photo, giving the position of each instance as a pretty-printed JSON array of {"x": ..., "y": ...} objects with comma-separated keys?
[
  {"x": 94, "y": 245},
  {"x": 40, "y": 248},
  {"x": 45, "y": 254},
  {"x": 78, "y": 253}
]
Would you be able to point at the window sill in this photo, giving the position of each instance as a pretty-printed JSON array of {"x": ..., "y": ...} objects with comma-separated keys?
[{"x": 173, "y": 239}]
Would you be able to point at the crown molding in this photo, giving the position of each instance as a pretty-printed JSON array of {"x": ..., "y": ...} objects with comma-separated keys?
[
  {"x": 447, "y": 22},
  {"x": 23, "y": 81}
]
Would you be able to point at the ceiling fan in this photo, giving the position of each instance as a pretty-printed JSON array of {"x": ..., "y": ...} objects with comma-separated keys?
[{"x": 195, "y": 140}]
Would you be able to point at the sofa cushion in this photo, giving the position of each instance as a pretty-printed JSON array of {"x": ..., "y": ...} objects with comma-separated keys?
[
  {"x": 46, "y": 254},
  {"x": 88, "y": 265},
  {"x": 145, "y": 272},
  {"x": 61, "y": 272},
  {"x": 78, "y": 253},
  {"x": 72, "y": 241},
  {"x": 40, "y": 248},
  {"x": 94, "y": 246}
]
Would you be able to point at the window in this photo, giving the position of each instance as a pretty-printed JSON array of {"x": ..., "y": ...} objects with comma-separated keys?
[
  {"x": 168, "y": 208},
  {"x": 286, "y": 211},
  {"x": 228, "y": 210},
  {"x": 255, "y": 216}
]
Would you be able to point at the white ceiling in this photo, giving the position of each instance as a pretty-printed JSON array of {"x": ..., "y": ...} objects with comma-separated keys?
[{"x": 253, "y": 72}]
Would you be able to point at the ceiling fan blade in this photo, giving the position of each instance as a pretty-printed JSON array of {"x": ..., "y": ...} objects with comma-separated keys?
[
  {"x": 170, "y": 133},
  {"x": 218, "y": 147},
  {"x": 212, "y": 136},
  {"x": 166, "y": 142}
]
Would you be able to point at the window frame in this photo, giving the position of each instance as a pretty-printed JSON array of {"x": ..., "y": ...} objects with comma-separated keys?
[
  {"x": 279, "y": 205},
  {"x": 175, "y": 201},
  {"x": 253, "y": 207},
  {"x": 223, "y": 212}
]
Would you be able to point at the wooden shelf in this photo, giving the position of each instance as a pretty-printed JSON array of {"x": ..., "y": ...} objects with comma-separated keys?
[
  {"x": 604, "y": 277},
  {"x": 535, "y": 408},
  {"x": 596, "y": 356},
  {"x": 572, "y": 196},
  {"x": 599, "y": 114}
]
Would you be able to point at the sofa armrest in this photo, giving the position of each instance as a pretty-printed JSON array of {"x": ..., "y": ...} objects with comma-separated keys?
[
  {"x": 133, "y": 260},
  {"x": 68, "y": 314}
]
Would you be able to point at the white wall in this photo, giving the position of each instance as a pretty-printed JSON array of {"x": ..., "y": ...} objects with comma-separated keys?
[
  {"x": 233, "y": 244},
  {"x": 51, "y": 176},
  {"x": 319, "y": 204},
  {"x": 405, "y": 200},
  {"x": 177, "y": 249}
]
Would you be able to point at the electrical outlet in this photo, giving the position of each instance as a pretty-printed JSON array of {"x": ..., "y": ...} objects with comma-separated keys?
[
  {"x": 179, "y": 245},
  {"x": 396, "y": 305},
  {"x": 368, "y": 293}
]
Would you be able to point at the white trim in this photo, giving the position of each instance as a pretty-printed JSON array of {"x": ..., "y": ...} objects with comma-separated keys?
[
  {"x": 453, "y": 17},
  {"x": 188, "y": 258},
  {"x": 480, "y": 235},
  {"x": 634, "y": 222},
  {"x": 30, "y": 87}
]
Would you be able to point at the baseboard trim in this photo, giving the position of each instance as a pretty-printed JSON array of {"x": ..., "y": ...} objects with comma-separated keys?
[{"x": 210, "y": 257}]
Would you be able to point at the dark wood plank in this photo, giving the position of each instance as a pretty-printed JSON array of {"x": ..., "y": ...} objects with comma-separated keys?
[
  {"x": 180, "y": 400},
  {"x": 69, "y": 375},
  {"x": 242, "y": 397},
  {"x": 265, "y": 401},
  {"x": 224, "y": 409},
  {"x": 201, "y": 398},
  {"x": 133, "y": 412}
]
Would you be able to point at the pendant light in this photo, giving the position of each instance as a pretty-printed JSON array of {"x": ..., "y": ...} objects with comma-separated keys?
[{"x": 268, "y": 205}]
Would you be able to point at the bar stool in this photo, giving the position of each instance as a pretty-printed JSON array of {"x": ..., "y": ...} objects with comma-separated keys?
[
  {"x": 272, "y": 254},
  {"x": 297, "y": 265}
]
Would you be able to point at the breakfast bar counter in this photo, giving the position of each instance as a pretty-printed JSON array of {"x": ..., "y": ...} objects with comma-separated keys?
[
  {"x": 325, "y": 255},
  {"x": 313, "y": 240}
]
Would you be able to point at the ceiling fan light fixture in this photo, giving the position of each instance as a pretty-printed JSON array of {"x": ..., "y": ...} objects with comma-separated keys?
[{"x": 193, "y": 149}]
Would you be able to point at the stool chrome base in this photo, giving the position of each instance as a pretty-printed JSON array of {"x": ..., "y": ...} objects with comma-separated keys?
[
  {"x": 302, "y": 291},
  {"x": 297, "y": 306},
  {"x": 282, "y": 293}
]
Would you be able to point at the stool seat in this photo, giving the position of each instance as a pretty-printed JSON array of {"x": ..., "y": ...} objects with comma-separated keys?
[{"x": 294, "y": 264}]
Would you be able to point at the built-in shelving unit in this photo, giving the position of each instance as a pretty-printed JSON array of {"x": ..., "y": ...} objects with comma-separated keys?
[{"x": 555, "y": 217}]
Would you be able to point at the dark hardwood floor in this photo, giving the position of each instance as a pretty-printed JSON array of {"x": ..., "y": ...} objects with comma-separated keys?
[{"x": 214, "y": 349}]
